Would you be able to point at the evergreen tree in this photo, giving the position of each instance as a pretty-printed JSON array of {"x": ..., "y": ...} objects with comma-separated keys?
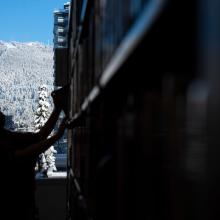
[{"x": 46, "y": 161}]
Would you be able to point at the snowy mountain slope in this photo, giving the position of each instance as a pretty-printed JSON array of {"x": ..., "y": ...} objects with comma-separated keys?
[{"x": 23, "y": 68}]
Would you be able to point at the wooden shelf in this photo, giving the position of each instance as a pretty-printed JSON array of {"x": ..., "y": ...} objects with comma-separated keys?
[{"x": 131, "y": 40}]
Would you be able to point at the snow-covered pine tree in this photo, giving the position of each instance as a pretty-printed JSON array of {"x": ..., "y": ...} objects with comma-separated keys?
[{"x": 46, "y": 161}]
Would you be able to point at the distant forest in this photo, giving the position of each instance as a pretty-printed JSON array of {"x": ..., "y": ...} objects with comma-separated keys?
[{"x": 23, "y": 68}]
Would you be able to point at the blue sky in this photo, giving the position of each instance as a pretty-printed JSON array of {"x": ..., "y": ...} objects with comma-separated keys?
[{"x": 28, "y": 20}]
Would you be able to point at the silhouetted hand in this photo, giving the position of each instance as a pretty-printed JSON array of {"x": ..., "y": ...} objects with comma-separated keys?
[{"x": 60, "y": 98}]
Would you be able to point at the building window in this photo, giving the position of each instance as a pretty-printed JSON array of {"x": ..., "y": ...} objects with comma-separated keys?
[{"x": 60, "y": 19}]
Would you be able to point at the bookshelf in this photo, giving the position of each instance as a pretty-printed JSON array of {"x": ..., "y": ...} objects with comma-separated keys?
[{"x": 129, "y": 80}]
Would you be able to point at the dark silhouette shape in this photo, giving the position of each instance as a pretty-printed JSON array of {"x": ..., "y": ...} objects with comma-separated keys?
[{"x": 19, "y": 152}]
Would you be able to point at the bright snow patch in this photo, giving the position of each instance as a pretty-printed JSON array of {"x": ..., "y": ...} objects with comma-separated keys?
[{"x": 9, "y": 45}]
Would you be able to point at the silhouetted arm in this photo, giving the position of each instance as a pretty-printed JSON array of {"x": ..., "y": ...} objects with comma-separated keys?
[
  {"x": 49, "y": 125},
  {"x": 35, "y": 149},
  {"x": 58, "y": 97}
]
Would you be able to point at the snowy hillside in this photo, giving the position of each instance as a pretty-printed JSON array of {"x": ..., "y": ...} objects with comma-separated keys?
[{"x": 23, "y": 68}]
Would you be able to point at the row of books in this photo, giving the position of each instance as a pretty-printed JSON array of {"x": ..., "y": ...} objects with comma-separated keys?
[
  {"x": 139, "y": 152},
  {"x": 94, "y": 40}
]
